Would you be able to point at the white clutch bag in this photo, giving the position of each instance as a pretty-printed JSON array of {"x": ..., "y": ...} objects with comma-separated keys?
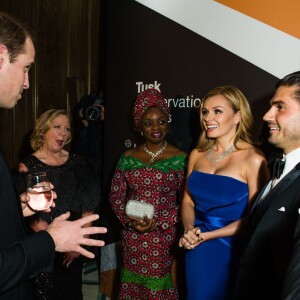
[{"x": 137, "y": 209}]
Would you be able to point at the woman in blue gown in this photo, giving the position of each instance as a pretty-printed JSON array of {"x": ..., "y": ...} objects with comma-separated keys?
[{"x": 225, "y": 173}]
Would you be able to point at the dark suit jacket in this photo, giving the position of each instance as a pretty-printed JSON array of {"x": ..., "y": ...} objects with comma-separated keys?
[
  {"x": 21, "y": 256},
  {"x": 272, "y": 239}
]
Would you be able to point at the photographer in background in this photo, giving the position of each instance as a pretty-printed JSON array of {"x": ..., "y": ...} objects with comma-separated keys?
[
  {"x": 88, "y": 125},
  {"x": 88, "y": 131}
]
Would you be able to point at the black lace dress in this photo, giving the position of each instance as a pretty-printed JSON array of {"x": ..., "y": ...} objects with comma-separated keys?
[{"x": 78, "y": 192}]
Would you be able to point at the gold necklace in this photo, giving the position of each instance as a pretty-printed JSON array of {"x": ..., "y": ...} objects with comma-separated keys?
[
  {"x": 154, "y": 155},
  {"x": 216, "y": 158}
]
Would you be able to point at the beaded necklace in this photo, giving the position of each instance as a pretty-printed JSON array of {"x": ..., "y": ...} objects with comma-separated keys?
[
  {"x": 216, "y": 158},
  {"x": 154, "y": 155}
]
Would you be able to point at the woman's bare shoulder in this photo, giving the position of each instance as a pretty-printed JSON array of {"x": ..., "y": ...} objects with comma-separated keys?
[
  {"x": 174, "y": 151},
  {"x": 252, "y": 153},
  {"x": 129, "y": 152},
  {"x": 196, "y": 154}
]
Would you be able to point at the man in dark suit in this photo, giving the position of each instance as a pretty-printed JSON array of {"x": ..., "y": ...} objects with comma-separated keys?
[
  {"x": 270, "y": 264},
  {"x": 22, "y": 256}
]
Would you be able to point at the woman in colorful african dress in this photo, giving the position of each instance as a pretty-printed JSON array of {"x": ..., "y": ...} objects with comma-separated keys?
[{"x": 153, "y": 173}]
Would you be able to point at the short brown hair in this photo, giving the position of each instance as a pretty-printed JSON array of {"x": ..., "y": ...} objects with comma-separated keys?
[
  {"x": 13, "y": 35},
  {"x": 291, "y": 80}
]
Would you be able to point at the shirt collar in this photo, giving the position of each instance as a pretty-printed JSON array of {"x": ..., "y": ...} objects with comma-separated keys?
[{"x": 291, "y": 160}]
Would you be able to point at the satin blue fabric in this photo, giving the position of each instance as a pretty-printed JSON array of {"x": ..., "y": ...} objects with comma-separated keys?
[{"x": 211, "y": 267}]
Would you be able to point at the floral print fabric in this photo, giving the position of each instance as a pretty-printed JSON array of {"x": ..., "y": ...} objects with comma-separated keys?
[{"x": 147, "y": 258}]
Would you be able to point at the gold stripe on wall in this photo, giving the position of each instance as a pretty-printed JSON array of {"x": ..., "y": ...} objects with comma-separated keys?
[
  {"x": 283, "y": 15},
  {"x": 89, "y": 46}
]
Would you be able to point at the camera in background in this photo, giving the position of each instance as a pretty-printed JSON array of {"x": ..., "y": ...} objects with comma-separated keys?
[{"x": 90, "y": 104}]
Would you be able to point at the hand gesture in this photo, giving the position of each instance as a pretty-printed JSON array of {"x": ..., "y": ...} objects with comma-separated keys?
[
  {"x": 191, "y": 238},
  {"x": 71, "y": 235}
]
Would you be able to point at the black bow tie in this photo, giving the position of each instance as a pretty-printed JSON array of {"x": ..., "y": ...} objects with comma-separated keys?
[
  {"x": 278, "y": 167},
  {"x": 278, "y": 164}
]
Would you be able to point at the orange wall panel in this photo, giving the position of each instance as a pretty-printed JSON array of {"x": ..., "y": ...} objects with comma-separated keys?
[{"x": 283, "y": 15}]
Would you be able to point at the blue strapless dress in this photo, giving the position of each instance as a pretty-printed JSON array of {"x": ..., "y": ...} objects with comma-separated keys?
[{"x": 212, "y": 266}]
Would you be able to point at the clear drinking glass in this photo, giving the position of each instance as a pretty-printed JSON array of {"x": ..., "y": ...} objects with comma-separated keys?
[{"x": 39, "y": 190}]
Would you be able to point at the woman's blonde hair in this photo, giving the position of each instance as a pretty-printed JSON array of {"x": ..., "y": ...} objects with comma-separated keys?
[
  {"x": 42, "y": 124},
  {"x": 238, "y": 103}
]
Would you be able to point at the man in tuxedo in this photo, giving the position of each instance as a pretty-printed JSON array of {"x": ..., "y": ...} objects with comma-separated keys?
[
  {"x": 22, "y": 256},
  {"x": 270, "y": 264}
]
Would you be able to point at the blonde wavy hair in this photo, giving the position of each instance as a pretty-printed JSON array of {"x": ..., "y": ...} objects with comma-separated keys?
[
  {"x": 42, "y": 124},
  {"x": 238, "y": 103}
]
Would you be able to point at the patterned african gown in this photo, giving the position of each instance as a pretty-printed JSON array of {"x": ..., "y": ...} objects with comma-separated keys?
[
  {"x": 211, "y": 267},
  {"x": 148, "y": 257}
]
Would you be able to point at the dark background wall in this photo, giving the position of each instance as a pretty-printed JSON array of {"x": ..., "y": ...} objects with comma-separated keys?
[
  {"x": 110, "y": 46},
  {"x": 147, "y": 47},
  {"x": 70, "y": 41},
  {"x": 121, "y": 47}
]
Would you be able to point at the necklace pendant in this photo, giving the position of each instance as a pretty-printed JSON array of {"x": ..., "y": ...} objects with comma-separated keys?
[{"x": 154, "y": 155}]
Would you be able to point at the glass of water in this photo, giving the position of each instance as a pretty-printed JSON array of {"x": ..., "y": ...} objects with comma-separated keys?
[{"x": 39, "y": 190}]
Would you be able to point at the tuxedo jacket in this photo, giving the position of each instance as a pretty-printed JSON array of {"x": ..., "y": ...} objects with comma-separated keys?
[
  {"x": 270, "y": 264},
  {"x": 21, "y": 255}
]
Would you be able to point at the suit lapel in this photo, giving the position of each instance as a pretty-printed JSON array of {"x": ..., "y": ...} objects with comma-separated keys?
[
  {"x": 281, "y": 186},
  {"x": 258, "y": 198},
  {"x": 285, "y": 182},
  {"x": 271, "y": 198}
]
